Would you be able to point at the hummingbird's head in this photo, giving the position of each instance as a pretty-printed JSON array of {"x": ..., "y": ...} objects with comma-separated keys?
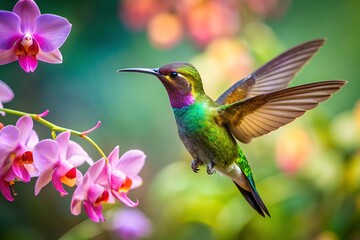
[{"x": 181, "y": 80}]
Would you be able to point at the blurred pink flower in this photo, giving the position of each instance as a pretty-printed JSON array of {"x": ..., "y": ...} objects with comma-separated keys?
[
  {"x": 268, "y": 8},
  {"x": 6, "y": 94},
  {"x": 137, "y": 13},
  {"x": 57, "y": 161},
  {"x": 293, "y": 148},
  {"x": 105, "y": 181},
  {"x": 16, "y": 161},
  {"x": 28, "y": 36},
  {"x": 209, "y": 20},
  {"x": 131, "y": 224}
]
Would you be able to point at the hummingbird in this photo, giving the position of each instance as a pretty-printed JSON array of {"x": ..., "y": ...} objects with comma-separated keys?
[{"x": 256, "y": 105}]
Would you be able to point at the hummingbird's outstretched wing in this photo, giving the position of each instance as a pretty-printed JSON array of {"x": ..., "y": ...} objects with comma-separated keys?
[
  {"x": 272, "y": 76},
  {"x": 264, "y": 113}
]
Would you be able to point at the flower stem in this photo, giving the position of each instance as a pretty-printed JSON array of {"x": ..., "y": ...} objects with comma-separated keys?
[{"x": 55, "y": 128}]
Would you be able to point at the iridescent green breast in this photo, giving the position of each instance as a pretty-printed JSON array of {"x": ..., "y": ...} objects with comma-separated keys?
[{"x": 202, "y": 136}]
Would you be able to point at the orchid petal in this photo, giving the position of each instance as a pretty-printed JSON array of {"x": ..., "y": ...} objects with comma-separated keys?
[
  {"x": 98, "y": 172},
  {"x": 136, "y": 182},
  {"x": 111, "y": 199},
  {"x": 78, "y": 160},
  {"x": 20, "y": 170},
  {"x": 79, "y": 177},
  {"x": 76, "y": 155},
  {"x": 43, "y": 180},
  {"x": 64, "y": 167},
  {"x": 9, "y": 137},
  {"x": 98, "y": 212},
  {"x": 125, "y": 199},
  {"x": 9, "y": 30},
  {"x": 28, "y": 62},
  {"x": 117, "y": 179},
  {"x": 94, "y": 213},
  {"x": 131, "y": 162},
  {"x": 28, "y": 12},
  {"x": 94, "y": 192},
  {"x": 63, "y": 140},
  {"x": 9, "y": 175},
  {"x": 46, "y": 154},
  {"x": 56, "y": 180},
  {"x": 75, "y": 207},
  {"x": 6, "y": 94},
  {"x": 49, "y": 57},
  {"x": 25, "y": 125},
  {"x": 114, "y": 156},
  {"x": 32, "y": 170},
  {"x": 7, "y": 56},
  {"x": 32, "y": 140},
  {"x": 5, "y": 190},
  {"x": 79, "y": 195},
  {"x": 51, "y": 31}
]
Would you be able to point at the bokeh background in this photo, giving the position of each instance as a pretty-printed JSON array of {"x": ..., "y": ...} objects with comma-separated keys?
[{"x": 308, "y": 173}]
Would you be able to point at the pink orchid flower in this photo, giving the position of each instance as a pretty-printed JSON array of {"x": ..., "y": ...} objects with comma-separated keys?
[
  {"x": 28, "y": 36},
  {"x": 6, "y": 94},
  {"x": 106, "y": 180},
  {"x": 93, "y": 192},
  {"x": 57, "y": 161},
  {"x": 16, "y": 159},
  {"x": 124, "y": 173}
]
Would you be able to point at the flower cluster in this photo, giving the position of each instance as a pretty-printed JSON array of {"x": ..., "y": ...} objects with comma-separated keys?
[
  {"x": 23, "y": 156},
  {"x": 105, "y": 181},
  {"x": 28, "y": 36}
]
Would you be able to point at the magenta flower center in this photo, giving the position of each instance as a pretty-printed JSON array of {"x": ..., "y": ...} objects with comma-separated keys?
[
  {"x": 27, "y": 45},
  {"x": 27, "y": 158}
]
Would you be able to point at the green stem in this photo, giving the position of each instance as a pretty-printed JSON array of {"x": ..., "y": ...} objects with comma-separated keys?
[{"x": 54, "y": 128}]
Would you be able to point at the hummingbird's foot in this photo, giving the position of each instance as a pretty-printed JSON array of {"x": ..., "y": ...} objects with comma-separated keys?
[
  {"x": 195, "y": 165},
  {"x": 210, "y": 168}
]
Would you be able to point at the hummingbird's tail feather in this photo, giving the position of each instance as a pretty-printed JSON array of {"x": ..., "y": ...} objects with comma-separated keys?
[{"x": 253, "y": 198}]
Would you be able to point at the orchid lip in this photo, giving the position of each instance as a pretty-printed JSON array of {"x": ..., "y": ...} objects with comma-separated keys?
[{"x": 151, "y": 71}]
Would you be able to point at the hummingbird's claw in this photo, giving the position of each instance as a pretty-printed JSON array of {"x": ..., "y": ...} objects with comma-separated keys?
[
  {"x": 210, "y": 168},
  {"x": 195, "y": 165}
]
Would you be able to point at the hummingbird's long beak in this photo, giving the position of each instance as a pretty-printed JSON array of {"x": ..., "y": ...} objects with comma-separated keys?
[{"x": 151, "y": 71}]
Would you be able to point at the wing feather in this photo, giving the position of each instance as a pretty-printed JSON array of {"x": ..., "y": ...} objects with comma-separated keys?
[
  {"x": 264, "y": 113},
  {"x": 272, "y": 76}
]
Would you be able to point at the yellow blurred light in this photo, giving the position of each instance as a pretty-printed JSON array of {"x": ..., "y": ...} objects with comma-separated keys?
[
  {"x": 353, "y": 173},
  {"x": 326, "y": 235},
  {"x": 165, "y": 30},
  {"x": 357, "y": 116}
]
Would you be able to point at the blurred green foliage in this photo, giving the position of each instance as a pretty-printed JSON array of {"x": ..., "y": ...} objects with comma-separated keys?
[{"x": 321, "y": 200}]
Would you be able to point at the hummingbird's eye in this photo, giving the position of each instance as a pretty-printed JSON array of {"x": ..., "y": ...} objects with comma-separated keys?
[{"x": 173, "y": 74}]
